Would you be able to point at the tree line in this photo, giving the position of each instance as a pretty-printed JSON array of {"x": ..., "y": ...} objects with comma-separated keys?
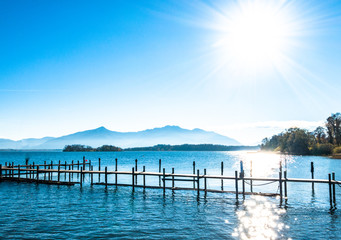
[
  {"x": 160, "y": 147},
  {"x": 83, "y": 148},
  {"x": 322, "y": 141}
]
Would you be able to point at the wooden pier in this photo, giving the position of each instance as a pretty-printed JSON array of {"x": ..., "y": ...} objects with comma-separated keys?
[{"x": 63, "y": 174}]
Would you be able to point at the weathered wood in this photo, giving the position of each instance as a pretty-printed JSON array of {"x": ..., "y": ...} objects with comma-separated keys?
[
  {"x": 44, "y": 169},
  {"x": 198, "y": 183},
  {"x": 81, "y": 177},
  {"x": 69, "y": 173},
  {"x": 132, "y": 179},
  {"x": 144, "y": 177},
  {"x": 285, "y": 185},
  {"x": 251, "y": 182},
  {"x": 19, "y": 172},
  {"x": 92, "y": 175},
  {"x": 116, "y": 170},
  {"x": 222, "y": 173},
  {"x": 58, "y": 173},
  {"x": 65, "y": 172},
  {"x": 136, "y": 171},
  {"x": 160, "y": 172},
  {"x": 330, "y": 191},
  {"x": 312, "y": 175},
  {"x": 106, "y": 177},
  {"x": 205, "y": 182},
  {"x": 280, "y": 187},
  {"x": 99, "y": 169},
  {"x": 164, "y": 181},
  {"x": 33, "y": 171},
  {"x": 37, "y": 174},
  {"x": 84, "y": 163},
  {"x": 193, "y": 174},
  {"x": 236, "y": 183},
  {"x": 334, "y": 194},
  {"x": 173, "y": 178}
]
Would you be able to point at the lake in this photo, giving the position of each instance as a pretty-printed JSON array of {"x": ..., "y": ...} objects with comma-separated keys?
[{"x": 31, "y": 211}]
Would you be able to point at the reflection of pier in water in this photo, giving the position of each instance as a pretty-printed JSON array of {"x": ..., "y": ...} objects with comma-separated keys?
[{"x": 46, "y": 174}]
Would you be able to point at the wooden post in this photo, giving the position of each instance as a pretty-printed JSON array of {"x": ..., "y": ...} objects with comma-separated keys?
[
  {"x": 81, "y": 178},
  {"x": 99, "y": 169},
  {"x": 18, "y": 172},
  {"x": 116, "y": 171},
  {"x": 44, "y": 171},
  {"x": 285, "y": 185},
  {"x": 173, "y": 179},
  {"x": 236, "y": 183},
  {"x": 65, "y": 172},
  {"x": 312, "y": 175},
  {"x": 330, "y": 191},
  {"x": 77, "y": 168},
  {"x": 280, "y": 187},
  {"x": 6, "y": 170},
  {"x": 0, "y": 171},
  {"x": 37, "y": 173},
  {"x": 144, "y": 177},
  {"x": 13, "y": 170},
  {"x": 92, "y": 175},
  {"x": 334, "y": 197},
  {"x": 51, "y": 173},
  {"x": 159, "y": 172},
  {"x": 69, "y": 173},
  {"x": 58, "y": 173},
  {"x": 193, "y": 174},
  {"x": 222, "y": 173},
  {"x": 205, "y": 182},
  {"x": 136, "y": 171},
  {"x": 32, "y": 171},
  {"x": 198, "y": 183},
  {"x": 133, "y": 179},
  {"x": 164, "y": 181},
  {"x": 243, "y": 184},
  {"x": 106, "y": 177},
  {"x": 84, "y": 162}
]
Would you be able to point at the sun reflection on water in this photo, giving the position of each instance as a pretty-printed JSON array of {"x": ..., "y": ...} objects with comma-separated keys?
[{"x": 259, "y": 219}]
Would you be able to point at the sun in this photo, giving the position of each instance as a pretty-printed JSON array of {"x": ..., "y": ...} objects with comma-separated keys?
[{"x": 256, "y": 35}]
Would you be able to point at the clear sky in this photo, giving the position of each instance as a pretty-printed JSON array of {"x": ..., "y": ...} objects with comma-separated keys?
[{"x": 244, "y": 69}]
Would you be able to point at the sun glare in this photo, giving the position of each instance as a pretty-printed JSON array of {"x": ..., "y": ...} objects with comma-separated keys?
[{"x": 256, "y": 35}]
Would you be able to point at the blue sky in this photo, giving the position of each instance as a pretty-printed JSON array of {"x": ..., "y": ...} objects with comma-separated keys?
[{"x": 67, "y": 66}]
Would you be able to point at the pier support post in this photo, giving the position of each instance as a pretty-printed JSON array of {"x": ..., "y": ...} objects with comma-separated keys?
[
  {"x": 280, "y": 187},
  {"x": 58, "y": 173},
  {"x": 159, "y": 172},
  {"x": 198, "y": 182},
  {"x": 81, "y": 178},
  {"x": 334, "y": 194},
  {"x": 84, "y": 163},
  {"x": 193, "y": 174},
  {"x": 77, "y": 168},
  {"x": 44, "y": 171},
  {"x": 116, "y": 171},
  {"x": 92, "y": 175},
  {"x": 222, "y": 173},
  {"x": 236, "y": 183},
  {"x": 164, "y": 181},
  {"x": 69, "y": 173},
  {"x": 312, "y": 175},
  {"x": 0, "y": 172},
  {"x": 136, "y": 171},
  {"x": 144, "y": 177},
  {"x": 37, "y": 174},
  {"x": 65, "y": 171},
  {"x": 32, "y": 171},
  {"x": 285, "y": 185},
  {"x": 205, "y": 182},
  {"x": 173, "y": 179},
  {"x": 99, "y": 169},
  {"x": 106, "y": 177},
  {"x": 133, "y": 179}
]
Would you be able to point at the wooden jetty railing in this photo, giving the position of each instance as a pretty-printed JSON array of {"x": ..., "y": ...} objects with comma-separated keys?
[{"x": 46, "y": 173}]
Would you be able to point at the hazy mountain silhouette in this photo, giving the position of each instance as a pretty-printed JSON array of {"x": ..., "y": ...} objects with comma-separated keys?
[{"x": 173, "y": 135}]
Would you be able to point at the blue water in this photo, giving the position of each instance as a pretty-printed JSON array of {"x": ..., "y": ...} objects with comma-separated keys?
[{"x": 30, "y": 211}]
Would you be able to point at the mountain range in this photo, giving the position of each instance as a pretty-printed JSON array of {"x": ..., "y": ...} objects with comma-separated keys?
[{"x": 172, "y": 135}]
